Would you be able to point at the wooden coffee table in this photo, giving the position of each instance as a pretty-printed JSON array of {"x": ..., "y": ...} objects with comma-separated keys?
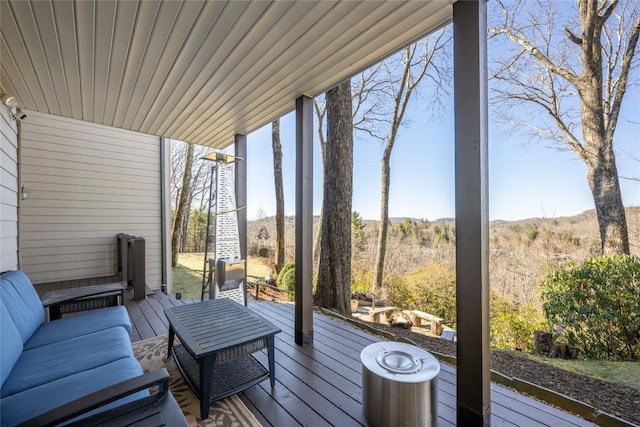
[{"x": 217, "y": 339}]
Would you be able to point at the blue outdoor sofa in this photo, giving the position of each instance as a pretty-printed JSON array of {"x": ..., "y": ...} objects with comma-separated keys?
[{"x": 52, "y": 371}]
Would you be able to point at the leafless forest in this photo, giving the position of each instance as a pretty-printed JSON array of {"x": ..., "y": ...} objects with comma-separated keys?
[{"x": 522, "y": 252}]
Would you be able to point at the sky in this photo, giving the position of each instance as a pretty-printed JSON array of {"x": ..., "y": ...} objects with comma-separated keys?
[{"x": 526, "y": 179}]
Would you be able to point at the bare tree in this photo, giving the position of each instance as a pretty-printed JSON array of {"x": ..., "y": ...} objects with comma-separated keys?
[
  {"x": 573, "y": 63},
  {"x": 367, "y": 115},
  {"x": 320, "y": 108},
  {"x": 277, "y": 176},
  {"x": 198, "y": 189},
  {"x": 178, "y": 156},
  {"x": 334, "y": 272},
  {"x": 182, "y": 210},
  {"x": 401, "y": 75}
]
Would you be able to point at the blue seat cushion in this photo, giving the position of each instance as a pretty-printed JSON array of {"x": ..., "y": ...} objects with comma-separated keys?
[
  {"x": 21, "y": 300},
  {"x": 62, "y": 359},
  {"x": 47, "y": 396},
  {"x": 81, "y": 324},
  {"x": 11, "y": 344}
]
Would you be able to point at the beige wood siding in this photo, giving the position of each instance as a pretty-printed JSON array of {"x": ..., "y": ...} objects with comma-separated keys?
[
  {"x": 87, "y": 183},
  {"x": 8, "y": 191}
]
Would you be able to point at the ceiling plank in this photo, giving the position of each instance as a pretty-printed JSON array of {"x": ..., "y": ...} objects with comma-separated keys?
[
  {"x": 200, "y": 71},
  {"x": 47, "y": 29},
  {"x": 191, "y": 59},
  {"x": 126, "y": 16},
  {"x": 19, "y": 51},
  {"x": 85, "y": 36},
  {"x": 104, "y": 33},
  {"x": 203, "y": 83},
  {"x": 176, "y": 41},
  {"x": 158, "y": 39},
  {"x": 65, "y": 23},
  {"x": 282, "y": 35},
  {"x": 145, "y": 20},
  {"x": 17, "y": 84}
]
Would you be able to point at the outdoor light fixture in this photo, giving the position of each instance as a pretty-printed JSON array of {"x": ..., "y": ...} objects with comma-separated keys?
[
  {"x": 24, "y": 192},
  {"x": 9, "y": 101}
]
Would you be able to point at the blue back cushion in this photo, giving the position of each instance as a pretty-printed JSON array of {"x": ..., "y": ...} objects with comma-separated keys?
[
  {"x": 22, "y": 302},
  {"x": 10, "y": 344}
]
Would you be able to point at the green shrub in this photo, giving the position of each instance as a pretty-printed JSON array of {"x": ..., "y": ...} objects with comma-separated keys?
[
  {"x": 284, "y": 270},
  {"x": 435, "y": 287},
  {"x": 398, "y": 293},
  {"x": 361, "y": 278},
  {"x": 289, "y": 279},
  {"x": 430, "y": 288},
  {"x": 442, "y": 233},
  {"x": 531, "y": 231},
  {"x": 512, "y": 324},
  {"x": 599, "y": 303}
]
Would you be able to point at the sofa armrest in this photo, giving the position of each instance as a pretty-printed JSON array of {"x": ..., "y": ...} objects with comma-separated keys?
[
  {"x": 102, "y": 397},
  {"x": 83, "y": 298}
]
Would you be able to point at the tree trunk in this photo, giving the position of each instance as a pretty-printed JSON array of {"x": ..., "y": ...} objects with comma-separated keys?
[
  {"x": 602, "y": 173},
  {"x": 384, "y": 220},
  {"x": 334, "y": 275},
  {"x": 277, "y": 175},
  {"x": 320, "y": 113},
  {"x": 316, "y": 237},
  {"x": 603, "y": 181},
  {"x": 185, "y": 225},
  {"x": 183, "y": 207}
]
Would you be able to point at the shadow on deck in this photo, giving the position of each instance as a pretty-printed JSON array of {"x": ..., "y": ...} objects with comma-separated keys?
[{"x": 319, "y": 384}]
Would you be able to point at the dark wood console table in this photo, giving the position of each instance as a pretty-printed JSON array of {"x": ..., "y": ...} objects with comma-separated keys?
[
  {"x": 73, "y": 300},
  {"x": 218, "y": 337}
]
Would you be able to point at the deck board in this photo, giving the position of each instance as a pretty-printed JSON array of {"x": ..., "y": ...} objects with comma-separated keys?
[{"x": 320, "y": 383}]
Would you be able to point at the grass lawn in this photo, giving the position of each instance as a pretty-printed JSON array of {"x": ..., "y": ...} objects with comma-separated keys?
[
  {"x": 626, "y": 373},
  {"x": 187, "y": 275}
]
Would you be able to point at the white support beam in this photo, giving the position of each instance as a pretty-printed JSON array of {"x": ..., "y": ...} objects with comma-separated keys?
[{"x": 472, "y": 214}]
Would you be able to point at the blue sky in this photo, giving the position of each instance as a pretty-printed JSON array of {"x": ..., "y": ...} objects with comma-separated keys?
[{"x": 525, "y": 179}]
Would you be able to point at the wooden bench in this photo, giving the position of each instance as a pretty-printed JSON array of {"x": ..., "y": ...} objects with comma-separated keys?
[
  {"x": 418, "y": 316},
  {"x": 375, "y": 313}
]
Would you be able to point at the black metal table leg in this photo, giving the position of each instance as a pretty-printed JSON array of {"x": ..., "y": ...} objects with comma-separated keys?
[
  {"x": 272, "y": 362},
  {"x": 206, "y": 377},
  {"x": 170, "y": 341}
]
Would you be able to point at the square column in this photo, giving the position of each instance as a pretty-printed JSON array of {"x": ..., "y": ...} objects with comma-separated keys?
[
  {"x": 304, "y": 221},
  {"x": 472, "y": 212}
]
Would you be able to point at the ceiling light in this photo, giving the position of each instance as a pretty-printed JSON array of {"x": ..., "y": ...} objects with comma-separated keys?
[{"x": 9, "y": 101}]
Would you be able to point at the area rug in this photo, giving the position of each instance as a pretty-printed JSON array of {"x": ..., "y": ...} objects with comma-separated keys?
[{"x": 229, "y": 412}]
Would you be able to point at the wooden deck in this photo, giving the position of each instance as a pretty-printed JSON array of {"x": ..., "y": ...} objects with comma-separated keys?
[{"x": 320, "y": 384}]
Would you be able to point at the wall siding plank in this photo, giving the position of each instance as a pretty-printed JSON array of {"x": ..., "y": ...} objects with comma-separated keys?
[
  {"x": 87, "y": 183},
  {"x": 8, "y": 191}
]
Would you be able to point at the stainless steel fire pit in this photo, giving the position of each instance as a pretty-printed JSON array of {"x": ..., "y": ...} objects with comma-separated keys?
[{"x": 399, "y": 385}]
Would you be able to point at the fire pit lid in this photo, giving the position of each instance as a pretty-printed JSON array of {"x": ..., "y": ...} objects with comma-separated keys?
[{"x": 400, "y": 362}]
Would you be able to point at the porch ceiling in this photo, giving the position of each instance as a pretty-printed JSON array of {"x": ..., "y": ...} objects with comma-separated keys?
[{"x": 191, "y": 70}]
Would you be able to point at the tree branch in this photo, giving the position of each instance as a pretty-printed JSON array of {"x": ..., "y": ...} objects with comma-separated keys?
[
  {"x": 575, "y": 39},
  {"x": 627, "y": 60}
]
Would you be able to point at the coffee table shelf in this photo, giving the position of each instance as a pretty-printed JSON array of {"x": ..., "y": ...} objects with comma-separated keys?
[{"x": 228, "y": 378}]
